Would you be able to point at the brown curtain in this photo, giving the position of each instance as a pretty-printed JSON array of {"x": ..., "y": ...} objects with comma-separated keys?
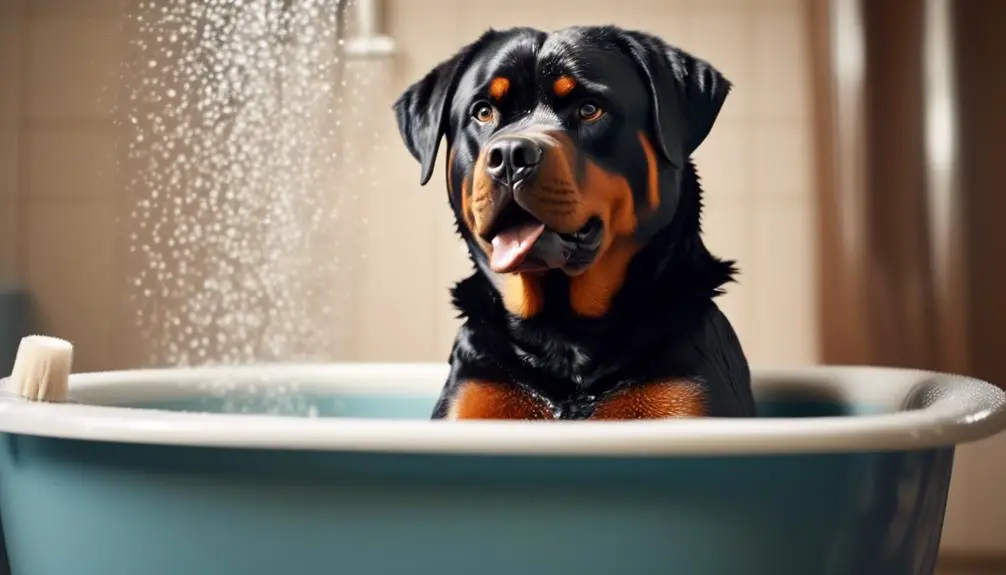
[
  {"x": 909, "y": 113},
  {"x": 981, "y": 70}
]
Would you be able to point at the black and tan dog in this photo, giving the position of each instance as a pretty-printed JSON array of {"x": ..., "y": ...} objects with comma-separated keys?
[{"x": 569, "y": 173}]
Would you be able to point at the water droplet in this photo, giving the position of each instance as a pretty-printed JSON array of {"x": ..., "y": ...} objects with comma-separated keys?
[{"x": 244, "y": 162}]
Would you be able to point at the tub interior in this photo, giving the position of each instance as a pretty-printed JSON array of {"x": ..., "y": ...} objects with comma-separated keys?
[
  {"x": 410, "y": 391},
  {"x": 420, "y": 406}
]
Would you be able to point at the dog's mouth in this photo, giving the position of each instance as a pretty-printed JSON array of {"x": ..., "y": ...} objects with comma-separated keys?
[{"x": 522, "y": 243}]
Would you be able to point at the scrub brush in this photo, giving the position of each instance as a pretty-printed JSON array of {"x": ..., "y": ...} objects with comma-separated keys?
[{"x": 42, "y": 369}]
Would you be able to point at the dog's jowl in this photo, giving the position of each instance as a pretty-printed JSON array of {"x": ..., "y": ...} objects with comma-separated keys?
[{"x": 570, "y": 177}]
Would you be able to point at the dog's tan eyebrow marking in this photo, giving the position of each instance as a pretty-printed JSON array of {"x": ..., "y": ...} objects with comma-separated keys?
[
  {"x": 498, "y": 88},
  {"x": 563, "y": 85}
]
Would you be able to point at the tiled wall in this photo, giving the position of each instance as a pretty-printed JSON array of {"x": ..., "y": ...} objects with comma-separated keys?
[{"x": 61, "y": 191}]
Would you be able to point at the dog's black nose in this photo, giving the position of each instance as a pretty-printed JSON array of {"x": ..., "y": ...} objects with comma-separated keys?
[{"x": 513, "y": 159}]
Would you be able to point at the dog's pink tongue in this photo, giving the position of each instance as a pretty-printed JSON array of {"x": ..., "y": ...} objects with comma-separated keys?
[{"x": 511, "y": 246}]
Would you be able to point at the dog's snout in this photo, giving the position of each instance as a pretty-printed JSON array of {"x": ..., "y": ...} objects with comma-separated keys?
[{"x": 513, "y": 159}]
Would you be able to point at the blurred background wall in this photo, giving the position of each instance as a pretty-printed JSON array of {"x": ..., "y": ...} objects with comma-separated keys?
[
  {"x": 818, "y": 179},
  {"x": 62, "y": 185}
]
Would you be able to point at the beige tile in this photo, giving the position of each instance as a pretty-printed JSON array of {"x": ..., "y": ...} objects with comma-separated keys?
[
  {"x": 722, "y": 39},
  {"x": 73, "y": 68},
  {"x": 673, "y": 25},
  {"x": 453, "y": 265},
  {"x": 722, "y": 160},
  {"x": 77, "y": 8},
  {"x": 721, "y": 5},
  {"x": 653, "y": 16},
  {"x": 782, "y": 159},
  {"x": 10, "y": 69},
  {"x": 73, "y": 274},
  {"x": 426, "y": 33},
  {"x": 667, "y": 18},
  {"x": 726, "y": 226},
  {"x": 72, "y": 163},
  {"x": 781, "y": 277},
  {"x": 457, "y": 268},
  {"x": 763, "y": 6},
  {"x": 781, "y": 66},
  {"x": 476, "y": 17},
  {"x": 8, "y": 164},
  {"x": 737, "y": 107},
  {"x": 8, "y": 241},
  {"x": 398, "y": 320}
]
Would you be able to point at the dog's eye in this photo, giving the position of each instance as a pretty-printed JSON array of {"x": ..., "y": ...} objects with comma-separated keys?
[
  {"x": 590, "y": 112},
  {"x": 483, "y": 112}
]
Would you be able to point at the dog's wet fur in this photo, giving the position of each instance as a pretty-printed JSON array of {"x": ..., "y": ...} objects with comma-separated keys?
[{"x": 570, "y": 177}]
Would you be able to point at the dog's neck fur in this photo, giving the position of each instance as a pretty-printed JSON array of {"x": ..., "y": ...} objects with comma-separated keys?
[{"x": 669, "y": 281}]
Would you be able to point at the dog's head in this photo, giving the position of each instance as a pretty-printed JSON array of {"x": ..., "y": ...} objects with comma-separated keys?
[{"x": 565, "y": 150}]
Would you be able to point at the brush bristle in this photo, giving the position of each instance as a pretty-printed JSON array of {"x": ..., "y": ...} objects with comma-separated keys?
[{"x": 42, "y": 368}]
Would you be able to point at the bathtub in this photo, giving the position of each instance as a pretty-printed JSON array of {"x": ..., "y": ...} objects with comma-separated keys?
[{"x": 336, "y": 469}]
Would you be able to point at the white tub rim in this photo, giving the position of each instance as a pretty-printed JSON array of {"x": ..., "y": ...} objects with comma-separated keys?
[{"x": 947, "y": 409}]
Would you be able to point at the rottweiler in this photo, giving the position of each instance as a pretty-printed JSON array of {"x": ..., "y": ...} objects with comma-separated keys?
[{"x": 570, "y": 177}]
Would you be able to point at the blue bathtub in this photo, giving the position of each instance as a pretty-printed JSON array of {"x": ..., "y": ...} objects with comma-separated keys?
[{"x": 213, "y": 471}]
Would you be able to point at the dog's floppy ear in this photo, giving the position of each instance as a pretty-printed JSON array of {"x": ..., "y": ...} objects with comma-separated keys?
[
  {"x": 423, "y": 108},
  {"x": 686, "y": 93}
]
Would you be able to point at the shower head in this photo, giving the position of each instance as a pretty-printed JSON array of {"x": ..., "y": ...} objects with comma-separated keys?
[{"x": 369, "y": 42}]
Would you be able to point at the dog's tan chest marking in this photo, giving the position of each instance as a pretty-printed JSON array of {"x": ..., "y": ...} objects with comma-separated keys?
[
  {"x": 672, "y": 398},
  {"x": 477, "y": 399},
  {"x": 487, "y": 400}
]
